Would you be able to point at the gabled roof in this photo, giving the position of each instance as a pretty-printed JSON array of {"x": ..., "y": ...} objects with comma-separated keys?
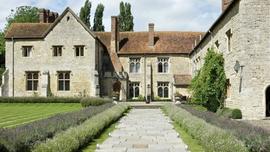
[
  {"x": 182, "y": 80},
  {"x": 165, "y": 42},
  {"x": 39, "y": 30}
]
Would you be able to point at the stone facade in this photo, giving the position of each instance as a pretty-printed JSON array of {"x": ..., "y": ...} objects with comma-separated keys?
[{"x": 241, "y": 34}]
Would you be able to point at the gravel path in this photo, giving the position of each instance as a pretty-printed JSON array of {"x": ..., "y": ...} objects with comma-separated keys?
[{"x": 143, "y": 130}]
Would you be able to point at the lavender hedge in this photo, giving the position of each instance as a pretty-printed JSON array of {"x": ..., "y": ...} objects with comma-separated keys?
[
  {"x": 255, "y": 138},
  {"x": 23, "y": 138}
]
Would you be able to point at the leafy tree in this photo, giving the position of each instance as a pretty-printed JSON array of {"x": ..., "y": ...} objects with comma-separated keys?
[
  {"x": 2, "y": 43},
  {"x": 23, "y": 14},
  {"x": 85, "y": 13},
  {"x": 98, "y": 25},
  {"x": 208, "y": 87},
  {"x": 125, "y": 17}
]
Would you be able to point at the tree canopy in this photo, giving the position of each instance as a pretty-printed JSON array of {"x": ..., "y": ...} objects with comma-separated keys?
[
  {"x": 85, "y": 13},
  {"x": 125, "y": 17},
  {"x": 208, "y": 87},
  {"x": 98, "y": 25}
]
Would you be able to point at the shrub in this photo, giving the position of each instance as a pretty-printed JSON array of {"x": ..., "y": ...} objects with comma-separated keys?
[
  {"x": 230, "y": 113},
  {"x": 40, "y": 99},
  {"x": 76, "y": 137},
  {"x": 210, "y": 137},
  {"x": 255, "y": 138},
  {"x": 22, "y": 138},
  {"x": 236, "y": 114},
  {"x": 93, "y": 101}
]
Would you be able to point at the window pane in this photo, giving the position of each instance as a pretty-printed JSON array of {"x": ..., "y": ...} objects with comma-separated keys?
[
  {"x": 77, "y": 51},
  {"x": 137, "y": 67},
  {"x": 67, "y": 87},
  {"x": 35, "y": 85},
  {"x": 166, "y": 92},
  {"x": 29, "y": 75},
  {"x": 160, "y": 67},
  {"x": 137, "y": 92},
  {"x": 35, "y": 75},
  {"x": 29, "y": 85},
  {"x": 132, "y": 67},
  {"x": 60, "y": 52},
  {"x": 166, "y": 67},
  {"x": 60, "y": 75},
  {"x": 67, "y": 75},
  {"x": 160, "y": 92},
  {"x": 82, "y": 51},
  {"x": 61, "y": 85}
]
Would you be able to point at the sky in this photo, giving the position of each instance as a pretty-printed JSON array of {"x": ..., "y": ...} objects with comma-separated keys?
[{"x": 167, "y": 15}]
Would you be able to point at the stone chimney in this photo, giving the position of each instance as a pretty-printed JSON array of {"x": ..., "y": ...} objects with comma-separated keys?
[
  {"x": 225, "y": 4},
  {"x": 46, "y": 16},
  {"x": 115, "y": 36},
  {"x": 151, "y": 34}
]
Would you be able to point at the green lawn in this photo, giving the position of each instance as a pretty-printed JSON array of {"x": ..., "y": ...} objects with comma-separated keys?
[{"x": 13, "y": 114}]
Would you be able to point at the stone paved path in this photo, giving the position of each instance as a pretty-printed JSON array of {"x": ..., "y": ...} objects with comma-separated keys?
[{"x": 143, "y": 130}]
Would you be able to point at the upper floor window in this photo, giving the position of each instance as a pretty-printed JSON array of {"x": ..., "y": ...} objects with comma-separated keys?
[
  {"x": 57, "y": 50},
  {"x": 134, "y": 65},
  {"x": 63, "y": 81},
  {"x": 134, "y": 90},
  {"x": 163, "y": 65},
  {"x": 229, "y": 39},
  {"x": 79, "y": 50},
  {"x": 26, "y": 51},
  {"x": 163, "y": 89},
  {"x": 31, "y": 81}
]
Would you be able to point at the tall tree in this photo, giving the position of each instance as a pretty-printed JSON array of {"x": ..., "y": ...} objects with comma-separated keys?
[
  {"x": 126, "y": 17},
  {"x": 2, "y": 43},
  {"x": 85, "y": 13},
  {"x": 98, "y": 25},
  {"x": 23, "y": 14}
]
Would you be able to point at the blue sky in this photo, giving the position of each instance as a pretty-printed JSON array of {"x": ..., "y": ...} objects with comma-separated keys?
[{"x": 168, "y": 15}]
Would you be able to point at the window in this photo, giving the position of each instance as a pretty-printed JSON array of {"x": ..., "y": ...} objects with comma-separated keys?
[
  {"x": 163, "y": 65},
  {"x": 134, "y": 90},
  {"x": 63, "y": 81},
  {"x": 31, "y": 81},
  {"x": 163, "y": 89},
  {"x": 26, "y": 51},
  {"x": 79, "y": 50},
  {"x": 217, "y": 44},
  {"x": 229, "y": 37},
  {"x": 57, "y": 50},
  {"x": 134, "y": 65}
]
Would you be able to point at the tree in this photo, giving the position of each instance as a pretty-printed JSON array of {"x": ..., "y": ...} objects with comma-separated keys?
[
  {"x": 85, "y": 13},
  {"x": 125, "y": 17},
  {"x": 23, "y": 14},
  {"x": 2, "y": 43},
  {"x": 98, "y": 25},
  {"x": 208, "y": 87}
]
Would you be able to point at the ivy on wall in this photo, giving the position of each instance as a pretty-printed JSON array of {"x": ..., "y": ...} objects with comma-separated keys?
[{"x": 208, "y": 87}]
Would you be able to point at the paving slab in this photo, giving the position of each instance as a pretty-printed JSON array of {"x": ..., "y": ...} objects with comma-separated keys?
[{"x": 144, "y": 130}]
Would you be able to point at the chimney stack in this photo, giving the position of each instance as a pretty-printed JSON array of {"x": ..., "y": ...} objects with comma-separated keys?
[
  {"x": 151, "y": 34},
  {"x": 115, "y": 34},
  {"x": 225, "y": 4},
  {"x": 46, "y": 16}
]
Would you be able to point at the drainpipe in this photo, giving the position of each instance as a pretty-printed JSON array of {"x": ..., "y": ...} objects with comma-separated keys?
[
  {"x": 145, "y": 93},
  {"x": 13, "y": 42}
]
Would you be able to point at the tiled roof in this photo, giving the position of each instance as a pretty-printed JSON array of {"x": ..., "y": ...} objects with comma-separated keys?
[
  {"x": 182, "y": 80},
  {"x": 27, "y": 30},
  {"x": 165, "y": 42}
]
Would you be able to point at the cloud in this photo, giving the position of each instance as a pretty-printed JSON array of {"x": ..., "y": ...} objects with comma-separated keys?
[{"x": 170, "y": 15}]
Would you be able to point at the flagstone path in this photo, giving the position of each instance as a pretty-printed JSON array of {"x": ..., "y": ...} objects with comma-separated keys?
[{"x": 143, "y": 130}]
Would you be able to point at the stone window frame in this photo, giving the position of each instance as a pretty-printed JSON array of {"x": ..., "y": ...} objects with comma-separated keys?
[
  {"x": 133, "y": 93},
  {"x": 79, "y": 50},
  {"x": 27, "y": 51},
  {"x": 65, "y": 80},
  {"x": 161, "y": 63},
  {"x": 163, "y": 86},
  {"x": 135, "y": 65},
  {"x": 31, "y": 80},
  {"x": 228, "y": 36},
  {"x": 57, "y": 50}
]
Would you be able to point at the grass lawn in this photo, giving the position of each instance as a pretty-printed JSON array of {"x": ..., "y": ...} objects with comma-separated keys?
[{"x": 13, "y": 114}]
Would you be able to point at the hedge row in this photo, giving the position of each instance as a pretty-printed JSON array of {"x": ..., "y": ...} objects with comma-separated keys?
[
  {"x": 210, "y": 137},
  {"x": 76, "y": 137},
  {"x": 40, "y": 99},
  {"x": 86, "y": 102},
  {"x": 23, "y": 138},
  {"x": 255, "y": 138}
]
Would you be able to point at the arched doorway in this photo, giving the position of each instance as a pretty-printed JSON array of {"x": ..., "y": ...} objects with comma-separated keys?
[
  {"x": 117, "y": 86},
  {"x": 267, "y": 99}
]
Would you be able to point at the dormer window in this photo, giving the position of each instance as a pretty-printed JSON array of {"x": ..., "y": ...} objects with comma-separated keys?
[
  {"x": 79, "y": 50},
  {"x": 57, "y": 50},
  {"x": 26, "y": 51}
]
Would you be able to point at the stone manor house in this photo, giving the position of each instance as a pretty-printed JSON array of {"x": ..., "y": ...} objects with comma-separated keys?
[{"x": 60, "y": 56}]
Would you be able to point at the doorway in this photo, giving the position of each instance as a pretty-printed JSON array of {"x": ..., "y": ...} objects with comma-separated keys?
[{"x": 267, "y": 99}]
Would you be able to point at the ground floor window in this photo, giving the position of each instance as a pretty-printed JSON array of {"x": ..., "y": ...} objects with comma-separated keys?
[
  {"x": 134, "y": 90},
  {"x": 163, "y": 89},
  {"x": 31, "y": 81},
  {"x": 63, "y": 81}
]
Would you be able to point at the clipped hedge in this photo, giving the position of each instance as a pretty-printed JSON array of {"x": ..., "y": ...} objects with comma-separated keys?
[
  {"x": 255, "y": 138},
  {"x": 210, "y": 137},
  {"x": 230, "y": 113},
  {"x": 40, "y": 99},
  {"x": 93, "y": 101},
  {"x": 23, "y": 138},
  {"x": 76, "y": 137}
]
